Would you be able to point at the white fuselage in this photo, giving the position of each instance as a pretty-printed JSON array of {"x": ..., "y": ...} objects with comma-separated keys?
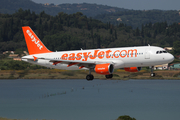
[{"x": 119, "y": 57}]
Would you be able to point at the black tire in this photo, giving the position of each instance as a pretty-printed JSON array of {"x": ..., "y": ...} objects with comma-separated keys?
[
  {"x": 152, "y": 74},
  {"x": 109, "y": 76},
  {"x": 89, "y": 77}
]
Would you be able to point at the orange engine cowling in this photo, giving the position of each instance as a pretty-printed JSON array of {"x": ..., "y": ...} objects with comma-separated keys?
[
  {"x": 104, "y": 69},
  {"x": 133, "y": 69}
]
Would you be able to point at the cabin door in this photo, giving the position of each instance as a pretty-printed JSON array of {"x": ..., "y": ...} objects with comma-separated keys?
[{"x": 147, "y": 53}]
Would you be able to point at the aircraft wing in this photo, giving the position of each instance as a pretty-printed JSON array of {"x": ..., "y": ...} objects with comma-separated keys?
[
  {"x": 80, "y": 64},
  {"x": 87, "y": 64}
]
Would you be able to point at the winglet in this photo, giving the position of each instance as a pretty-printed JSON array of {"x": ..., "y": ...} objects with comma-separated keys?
[
  {"x": 35, "y": 58},
  {"x": 34, "y": 44}
]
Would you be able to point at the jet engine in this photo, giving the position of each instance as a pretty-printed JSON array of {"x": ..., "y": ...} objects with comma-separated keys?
[
  {"x": 104, "y": 69},
  {"x": 133, "y": 69}
]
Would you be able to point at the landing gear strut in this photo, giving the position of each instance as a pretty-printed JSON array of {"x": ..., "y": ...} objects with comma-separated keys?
[
  {"x": 109, "y": 76},
  {"x": 89, "y": 77},
  {"x": 152, "y": 74}
]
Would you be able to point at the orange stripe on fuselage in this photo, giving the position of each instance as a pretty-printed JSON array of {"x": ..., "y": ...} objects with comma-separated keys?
[{"x": 84, "y": 56}]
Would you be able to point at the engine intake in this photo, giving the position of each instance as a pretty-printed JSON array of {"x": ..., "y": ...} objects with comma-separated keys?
[
  {"x": 133, "y": 69},
  {"x": 104, "y": 69}
]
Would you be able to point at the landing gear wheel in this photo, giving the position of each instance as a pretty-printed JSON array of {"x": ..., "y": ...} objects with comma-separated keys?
[
  {"x": 89, "y": 77},
  {"x": 109, "y": 76},
  {"x": 153, "y": 74}
]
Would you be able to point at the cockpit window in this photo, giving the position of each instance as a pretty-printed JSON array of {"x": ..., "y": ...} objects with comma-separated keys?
[{"x": 160, "y": 52}]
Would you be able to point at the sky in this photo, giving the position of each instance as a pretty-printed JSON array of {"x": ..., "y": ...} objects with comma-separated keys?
[{"x": 127, "y": 4}]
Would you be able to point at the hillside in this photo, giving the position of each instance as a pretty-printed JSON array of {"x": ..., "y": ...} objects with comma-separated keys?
[
  {"x": 114, "y": 15},
  {"x": 136, "y": 18},
  {"x": 75, "y": 31},
  {"x": 11, "y": 6},
  {"x": 90, "y": 10}
]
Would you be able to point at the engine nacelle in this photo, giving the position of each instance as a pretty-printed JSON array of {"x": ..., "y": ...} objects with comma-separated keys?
[
  {"x": 104, "y": 69},
  {"x": 133, "y": 69}
]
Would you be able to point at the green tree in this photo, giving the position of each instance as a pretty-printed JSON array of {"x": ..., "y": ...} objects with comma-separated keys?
[
  {"x": 137, "y": 32},
  {"x": 176, "y": 47}
]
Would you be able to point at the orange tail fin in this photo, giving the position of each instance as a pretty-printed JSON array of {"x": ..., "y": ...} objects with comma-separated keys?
[{"x": 34, "y": 44}]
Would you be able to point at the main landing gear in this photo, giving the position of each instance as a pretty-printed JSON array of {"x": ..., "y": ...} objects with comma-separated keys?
[
  {"x": 90, "y": 77},
  {"x": 152, "y": 74},
  {"x": 109, "y": 76}
]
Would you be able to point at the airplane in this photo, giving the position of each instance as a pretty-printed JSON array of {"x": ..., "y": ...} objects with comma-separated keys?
[{"x": 101, "y": 61}]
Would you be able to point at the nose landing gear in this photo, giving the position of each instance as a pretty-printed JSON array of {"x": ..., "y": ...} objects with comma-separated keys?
[{"x": 152, "y": 74}]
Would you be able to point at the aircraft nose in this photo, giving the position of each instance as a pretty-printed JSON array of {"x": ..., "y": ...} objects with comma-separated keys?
[{"x": 170, "y": 57}]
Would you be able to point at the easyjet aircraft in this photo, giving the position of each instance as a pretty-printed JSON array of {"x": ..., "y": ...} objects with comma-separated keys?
[{"x": 102, "y": 61}]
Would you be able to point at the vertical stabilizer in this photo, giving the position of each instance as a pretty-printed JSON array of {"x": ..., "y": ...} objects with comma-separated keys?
[{"x": 34, "y": 44}]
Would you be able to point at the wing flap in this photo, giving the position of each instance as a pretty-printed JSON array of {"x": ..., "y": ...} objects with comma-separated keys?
[
  {"x": 87, "y": 64},
  {"x": 80, "y": 64}
]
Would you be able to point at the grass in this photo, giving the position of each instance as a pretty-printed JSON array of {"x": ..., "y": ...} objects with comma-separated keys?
[{"x": 81, "y": 74}]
